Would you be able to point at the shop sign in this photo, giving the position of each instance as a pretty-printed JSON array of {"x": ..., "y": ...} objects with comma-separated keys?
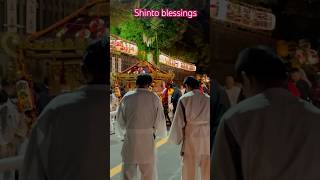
[
  {"x": 119, "y": 45},
  {"x": 164, "y": 59},
  {"x": 243, "y": 15}
]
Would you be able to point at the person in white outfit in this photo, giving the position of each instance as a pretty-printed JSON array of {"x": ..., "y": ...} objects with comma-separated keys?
[
  {"x": 191, "y": 128},
  {"x": 140, "y": 115},
  {"x": 271, "y": 134},
  {"x": 70, "y": 140},
  {"x": 232, "y": 90}
]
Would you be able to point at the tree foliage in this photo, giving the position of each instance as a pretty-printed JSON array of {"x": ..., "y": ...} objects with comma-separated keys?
[{"x": 171, "y": 35}]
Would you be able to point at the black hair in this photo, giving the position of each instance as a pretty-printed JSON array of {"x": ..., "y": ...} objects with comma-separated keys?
[
  {"x": 96, "y": 60},
  {"x": 262, "y": 64},
  {"x": 192, "y": 82},
  {"x": 144, "y": 80}
]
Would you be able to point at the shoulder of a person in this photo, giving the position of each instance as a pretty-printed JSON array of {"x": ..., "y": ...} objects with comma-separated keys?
[
  {"x": 310, "y": 108},
  {"x": 129, "y": 93},
  {"x": 246, "y": 107},
  {"x": 64, "y": 99},
  {"x": 206, "y": 95},
  {"x": 186, "y": 95},
  {"x": 155, "y": 96}
]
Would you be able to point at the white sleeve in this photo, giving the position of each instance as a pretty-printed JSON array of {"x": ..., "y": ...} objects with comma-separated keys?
[
  {"x": 10, "y": 120},
  {"x": 160, "y": 123},
  {"x": 35, "y": 165},
  {"x": 177, "y": 129},
  {"x": 120, "y": 120}
]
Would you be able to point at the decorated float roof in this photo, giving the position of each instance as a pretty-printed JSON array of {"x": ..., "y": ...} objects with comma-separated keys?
[
  {"x": 144, "y": 67},
  {"x": 86, "y": 24}
]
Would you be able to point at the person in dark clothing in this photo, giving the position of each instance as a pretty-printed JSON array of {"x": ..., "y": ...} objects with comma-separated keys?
[
  {"x": 175, "y": 97},
  {"x": 302, "y": 85},
  {"x": 122, "y": 91},
  {"x": 42, "y": 96},
  {"x": 219, "y": 105},
  {"x": 7, "y": 91},
  {"x": 3, "y": 93}
]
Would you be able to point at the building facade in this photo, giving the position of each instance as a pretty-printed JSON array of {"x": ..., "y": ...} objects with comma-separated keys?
[{"x": 25, "y": 16}]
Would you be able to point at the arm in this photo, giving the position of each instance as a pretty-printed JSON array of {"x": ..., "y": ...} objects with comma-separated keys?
[
  {"x": 177, "y": 128},
  {"x": 120, "y": 117},
  {"x": 36, "y": 158},
  {"x": 227, "y": 155},
  {"x": 33, "y": 168},
  {"x": 120, "y": 123},
  {"x": 160, "y": 123}
]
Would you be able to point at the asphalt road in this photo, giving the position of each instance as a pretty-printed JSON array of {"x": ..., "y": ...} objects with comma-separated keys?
[{"x": 168, "y": 160}]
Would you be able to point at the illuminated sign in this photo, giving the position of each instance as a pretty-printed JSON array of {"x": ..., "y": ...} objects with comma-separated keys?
[
  {"x": 119, "y": 45},
  {"x": 243, "y": 14},
  {"x": 164, "y": 59}
]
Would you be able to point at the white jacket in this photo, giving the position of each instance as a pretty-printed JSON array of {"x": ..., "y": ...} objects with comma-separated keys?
[
  {"x": 272, "y": 135},
  {"x": 191, "y": 124},
  {"x": 70, "y": 140},
  {"x": 141, "y": 116}
]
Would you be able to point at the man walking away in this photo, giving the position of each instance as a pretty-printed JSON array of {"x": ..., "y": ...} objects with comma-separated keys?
[
  {"x": 191, "y": 128},
  {"x": 141, "y": 117},
  {"x": 270, "y": 135},
  {"x": 70, "y": 140}
]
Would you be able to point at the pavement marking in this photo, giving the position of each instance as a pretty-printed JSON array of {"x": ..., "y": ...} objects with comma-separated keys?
[{"x": 117, "y": 169}]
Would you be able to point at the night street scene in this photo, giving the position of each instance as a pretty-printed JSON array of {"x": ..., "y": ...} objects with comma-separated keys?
[
  {"x": 151, "y": 131},
  {"x": 159, "y": 89}
]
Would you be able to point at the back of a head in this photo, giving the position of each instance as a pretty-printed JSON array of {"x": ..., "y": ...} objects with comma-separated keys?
[
  {"x": 144, "y": 80},
  {"x": 192, "y": 82},
  {"x": 261, "y": 64},
  {"x": 96, "y": 60}
]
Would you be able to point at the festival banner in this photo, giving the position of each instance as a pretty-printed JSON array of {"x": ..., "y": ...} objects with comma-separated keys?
[
  {"x": 244, "y": 15},
  {"x": 164, "y": 59},
  {"x": 123, "y": 46}
]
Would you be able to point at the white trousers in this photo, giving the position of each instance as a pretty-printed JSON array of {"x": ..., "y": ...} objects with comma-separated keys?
[
  {"x": 147, "y": 171},
  {"x": 190, "y": 165}
]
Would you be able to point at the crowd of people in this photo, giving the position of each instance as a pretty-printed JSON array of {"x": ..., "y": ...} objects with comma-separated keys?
[
  {"x": 261, "y": 124},
  {"x": 142, "y": 114},
  {"x": 16, "y": 122}
]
